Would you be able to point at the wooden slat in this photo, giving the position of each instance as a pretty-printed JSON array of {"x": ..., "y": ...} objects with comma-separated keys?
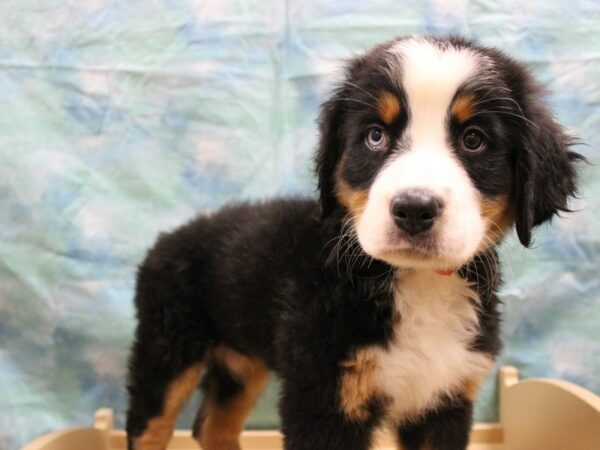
[
  {"x": 542, "y": 414},
  {"x": 71, "y": 439},
  {"x": 488, "y": 434}
]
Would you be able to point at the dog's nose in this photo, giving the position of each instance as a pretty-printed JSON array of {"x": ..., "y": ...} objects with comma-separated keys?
[{"x": 415, "y": 211}]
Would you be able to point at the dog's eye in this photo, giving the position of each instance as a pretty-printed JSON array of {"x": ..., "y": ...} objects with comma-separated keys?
[
  {"x": 376, "y": 139},
  {"x": 473, "y": 140}
]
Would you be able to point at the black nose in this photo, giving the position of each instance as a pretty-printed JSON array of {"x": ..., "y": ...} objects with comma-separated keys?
[{"x": 415, "y": 211}]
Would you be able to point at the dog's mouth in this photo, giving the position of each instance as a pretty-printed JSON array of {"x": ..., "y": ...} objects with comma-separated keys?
[
  {"x": 420, "y": 246},
  {"x": 419, "y": 251},
  {"x": 416, "y": 258},
  {"x": 410, "y": 250}
]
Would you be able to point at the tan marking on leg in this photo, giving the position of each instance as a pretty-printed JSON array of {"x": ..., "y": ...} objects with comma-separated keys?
[
  {"x": 355, "y": 200},
  {"x": 160, "y": 429},
  {"x": 472, "y": 388},
  {"x": 472, "y": 384},
  {"x": 388, "y": 107},
  {"x": 499, "y": 217},
  {"x": 357, "y": 385},
  {"x": 223, "y": 423},
  {"x": 463, "y": 107},
  {"x": 239, "y": 365}
]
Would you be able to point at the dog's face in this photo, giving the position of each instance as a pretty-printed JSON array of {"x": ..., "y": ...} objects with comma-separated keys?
[{"x": 434, "y": 148}]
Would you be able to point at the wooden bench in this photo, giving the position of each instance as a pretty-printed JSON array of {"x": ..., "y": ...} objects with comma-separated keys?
[{"x": 536, "y": 414}]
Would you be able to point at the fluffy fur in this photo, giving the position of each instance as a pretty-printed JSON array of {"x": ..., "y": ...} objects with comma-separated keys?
[{"x": 375, "y": 305}]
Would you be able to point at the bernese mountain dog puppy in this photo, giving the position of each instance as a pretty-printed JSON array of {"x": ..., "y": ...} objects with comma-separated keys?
[{"x": 376, "y": 304}]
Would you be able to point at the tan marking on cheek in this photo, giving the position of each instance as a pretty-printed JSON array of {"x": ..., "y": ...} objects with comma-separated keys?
[
  {"x": 160, "y": 429},
  {"x": 388, "y": 107},
  {"x": 223, "y": 423},
  {"x": 463, "y": 107},
  {"x": 355, "y": 200},
  {"x": 499, "y": 216},
  {"x": 357, "y": 385}
]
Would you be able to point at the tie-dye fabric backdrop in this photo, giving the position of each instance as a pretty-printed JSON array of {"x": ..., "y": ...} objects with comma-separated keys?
[{"x": 119, "y": 119}]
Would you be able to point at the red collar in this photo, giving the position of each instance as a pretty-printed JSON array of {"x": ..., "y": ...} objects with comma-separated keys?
[{"x": 444, "y": 272}]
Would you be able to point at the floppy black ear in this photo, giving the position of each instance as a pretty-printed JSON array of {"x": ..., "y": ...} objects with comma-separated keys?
[
  {"x": 545, "y": 167},
  {"x": 329, "y": 151}
]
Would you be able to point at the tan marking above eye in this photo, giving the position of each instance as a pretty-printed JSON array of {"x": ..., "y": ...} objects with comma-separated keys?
[
  {"x": 463, "y": 107},
  {"x": 388, "y": 107}
]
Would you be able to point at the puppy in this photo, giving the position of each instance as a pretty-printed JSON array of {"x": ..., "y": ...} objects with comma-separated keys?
[{"x": 376, "y": 304}]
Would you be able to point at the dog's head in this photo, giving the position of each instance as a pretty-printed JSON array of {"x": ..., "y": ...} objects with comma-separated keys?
[{"x": 435, "y": 148}]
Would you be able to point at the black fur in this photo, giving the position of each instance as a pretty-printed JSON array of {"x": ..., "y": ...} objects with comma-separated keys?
[
  {"x": 445, "y": 428},
  {"x": 545, "y": 173},
  {"x": 267, "y": 281}
]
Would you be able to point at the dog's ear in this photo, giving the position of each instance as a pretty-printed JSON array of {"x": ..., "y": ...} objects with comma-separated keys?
[
  {"x": 329, "y": 151},
  {"x": 545, "y": 175}
]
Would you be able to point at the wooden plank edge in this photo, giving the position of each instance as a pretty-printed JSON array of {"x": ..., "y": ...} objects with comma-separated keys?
[
  {"x": 482, "y": 433},
  {"x": 70, "y": 438}
]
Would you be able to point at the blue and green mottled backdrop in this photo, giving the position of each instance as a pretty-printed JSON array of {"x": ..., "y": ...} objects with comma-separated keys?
[{"x": 122, "y": 118}]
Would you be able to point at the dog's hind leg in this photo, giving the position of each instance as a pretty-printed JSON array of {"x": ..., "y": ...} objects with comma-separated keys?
[
  {"x": 232, "y": 386},
  {"x": 167, "y": 359},
  {"x": 158, "y": 429}
]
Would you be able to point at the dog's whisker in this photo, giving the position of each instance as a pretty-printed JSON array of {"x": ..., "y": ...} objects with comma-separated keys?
[
  {"x": 359, "y": 88},
  {"x": 525, "y": 119},
  {"x": 504, "y": 99},
  {"x": 347, "y": 99}
]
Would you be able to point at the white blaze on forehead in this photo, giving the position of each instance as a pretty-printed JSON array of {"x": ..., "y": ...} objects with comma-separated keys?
[{"x": 430, "y": 75}]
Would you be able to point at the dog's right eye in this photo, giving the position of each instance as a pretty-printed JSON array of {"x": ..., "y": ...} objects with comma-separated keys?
[{"x": 376, "y": 139}]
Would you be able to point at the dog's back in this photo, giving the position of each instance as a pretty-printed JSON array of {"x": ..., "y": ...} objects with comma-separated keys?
[{"x": 211, "y": 290}]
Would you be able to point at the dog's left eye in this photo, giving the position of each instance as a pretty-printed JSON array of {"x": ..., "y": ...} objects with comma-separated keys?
[
  {"x": 473, "y": 140},
  {"x": 376, "y": 139}
]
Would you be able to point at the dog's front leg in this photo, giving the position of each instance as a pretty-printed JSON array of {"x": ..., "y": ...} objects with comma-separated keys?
[
  {"x": 446, "y": 428},
  {"x": 312, "y": 420},
  {"x": 316, "y": 412}
]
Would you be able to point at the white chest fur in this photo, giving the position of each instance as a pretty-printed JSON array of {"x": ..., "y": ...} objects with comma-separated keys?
[{"x": 430, "y": 354}]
